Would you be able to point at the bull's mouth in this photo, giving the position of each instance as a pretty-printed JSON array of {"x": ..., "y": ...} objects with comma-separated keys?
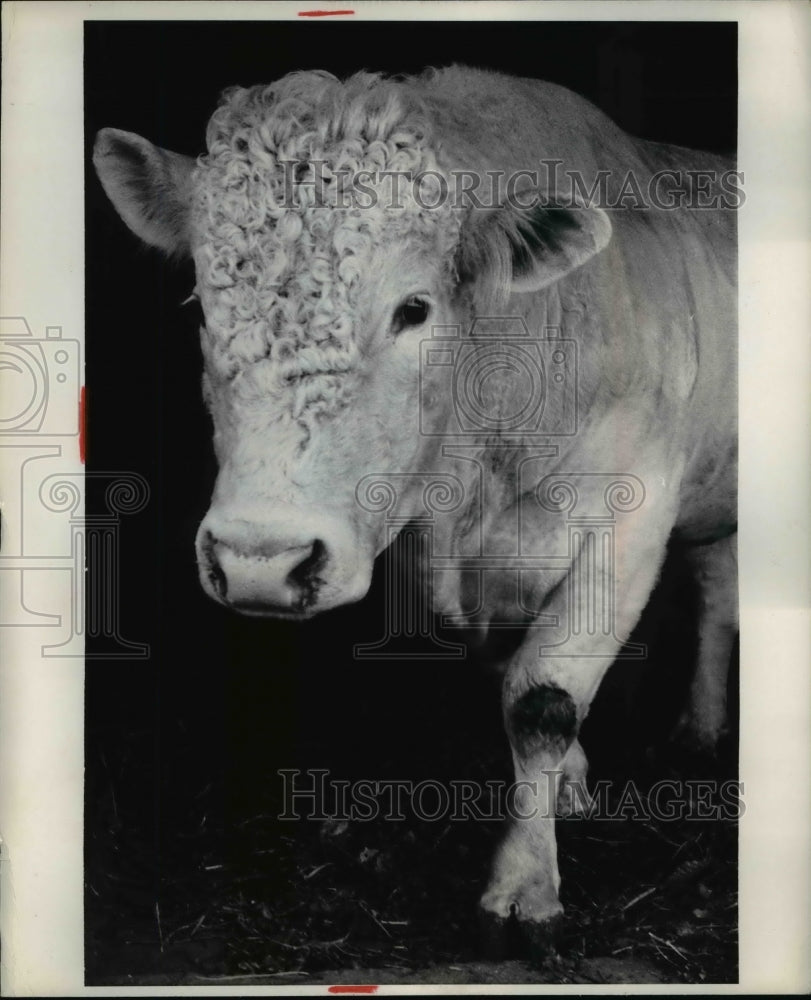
[{"x": 258, "y": 610}]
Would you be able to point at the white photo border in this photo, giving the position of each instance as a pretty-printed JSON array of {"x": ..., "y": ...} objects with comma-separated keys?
[{"x": 41, "y": 736}]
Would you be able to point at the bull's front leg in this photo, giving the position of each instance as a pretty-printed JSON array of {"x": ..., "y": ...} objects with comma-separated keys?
[{"x": 545, "y": 700}]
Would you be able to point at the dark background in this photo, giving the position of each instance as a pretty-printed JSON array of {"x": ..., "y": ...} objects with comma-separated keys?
[{"x": 194, "y": 734}]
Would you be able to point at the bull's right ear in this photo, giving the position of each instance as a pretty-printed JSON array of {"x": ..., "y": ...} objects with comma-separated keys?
[
  {"x": 528, "y": 243},
  {"x": 149, "y": 187}
]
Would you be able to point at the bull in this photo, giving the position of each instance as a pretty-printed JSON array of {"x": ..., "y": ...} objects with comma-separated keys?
[{"x": 343, "y": 314}]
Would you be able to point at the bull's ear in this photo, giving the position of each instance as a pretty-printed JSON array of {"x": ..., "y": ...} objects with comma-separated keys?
[
  {"x": 149, "y": 187},
  {"x": 530, "y": 243},
  {"x": 548, "y": 241}
]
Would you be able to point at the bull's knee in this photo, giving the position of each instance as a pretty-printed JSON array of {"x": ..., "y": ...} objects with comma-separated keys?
[{"x": 542, "y": 722}]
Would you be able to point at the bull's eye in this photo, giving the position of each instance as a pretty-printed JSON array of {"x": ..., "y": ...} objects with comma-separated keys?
[{"x": 413, "y": 312}]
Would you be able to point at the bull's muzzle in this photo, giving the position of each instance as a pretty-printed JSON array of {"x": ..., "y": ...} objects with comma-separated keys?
[{"x": 290, "y": 565}]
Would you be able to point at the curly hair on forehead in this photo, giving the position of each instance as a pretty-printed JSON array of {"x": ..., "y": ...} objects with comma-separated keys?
[
  {"x": 278, "y": 267},
  {"x": 367, "y": 105}
]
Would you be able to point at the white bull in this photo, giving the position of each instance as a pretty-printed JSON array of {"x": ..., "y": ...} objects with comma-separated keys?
[{"x": 346, "y": 236}]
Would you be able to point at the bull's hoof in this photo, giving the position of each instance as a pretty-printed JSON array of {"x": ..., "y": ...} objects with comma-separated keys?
[
  {"x": 514, "y": 926},
  {"x": 498, "y": 936},
  {"x": 540, "y": 938},
  {"x": 509, "y": 937}
]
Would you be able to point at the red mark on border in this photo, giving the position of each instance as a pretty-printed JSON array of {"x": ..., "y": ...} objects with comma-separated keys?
[
  {"x": 81, "y": 425},
  {"x": 323, "y": 13},
  {"x": 352, "y": 989}
]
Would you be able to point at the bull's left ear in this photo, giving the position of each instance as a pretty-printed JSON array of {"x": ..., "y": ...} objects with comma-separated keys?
[
  {"x": 149, "y": 187},
  {"x": 532, "y": 242}
]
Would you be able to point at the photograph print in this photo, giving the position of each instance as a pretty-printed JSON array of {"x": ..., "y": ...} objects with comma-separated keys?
[{"x": 415, "y": 658}]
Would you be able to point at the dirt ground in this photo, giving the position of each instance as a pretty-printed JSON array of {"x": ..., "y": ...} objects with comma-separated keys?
[
  {"x": 589, "y": 970},
  {"x": 375, "y": 904}
]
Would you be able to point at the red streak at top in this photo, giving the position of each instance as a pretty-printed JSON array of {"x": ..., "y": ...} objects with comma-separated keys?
[
  {"x": 323, "y": 13},
  {"x": 82, "y": 427},
  {"x": 352, "y": 989}
]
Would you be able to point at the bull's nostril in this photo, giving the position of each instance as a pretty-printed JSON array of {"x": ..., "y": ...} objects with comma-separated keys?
[
  {"x": 216, "y": 576},
  {"x": 304, "y": 576},
  {"x": 218, "y": 580}
]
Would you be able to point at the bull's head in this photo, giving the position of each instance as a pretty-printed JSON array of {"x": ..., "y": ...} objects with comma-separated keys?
[{"x": 319, "y": 273}]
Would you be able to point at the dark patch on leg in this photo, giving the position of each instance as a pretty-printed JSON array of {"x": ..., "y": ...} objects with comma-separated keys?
[{"x": 544, "y": 714}]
